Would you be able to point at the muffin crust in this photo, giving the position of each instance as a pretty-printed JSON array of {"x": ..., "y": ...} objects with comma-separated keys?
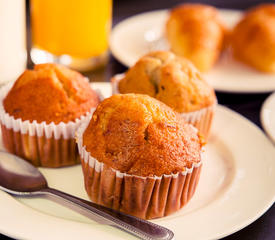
[
  {"x": 50, "y": 93},
  {"x": 253, "y": 38},
  {"x": 170, "y": 79},
  {"x": 139, "y": 135},
  {"x": 196, "y": 32}
]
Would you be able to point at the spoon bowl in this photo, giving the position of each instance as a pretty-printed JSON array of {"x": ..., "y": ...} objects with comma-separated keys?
[{"x": 19, "y": 177}]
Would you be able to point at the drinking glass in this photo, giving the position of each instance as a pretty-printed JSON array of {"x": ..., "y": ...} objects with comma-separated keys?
[{"x": 71, "y": 32}]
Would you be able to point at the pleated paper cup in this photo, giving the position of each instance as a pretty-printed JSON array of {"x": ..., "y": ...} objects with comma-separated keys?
[
  {"x": 144, "y": 197},
  {"x": 201, "y": 119},
  {"x": 46, "y": 145}
]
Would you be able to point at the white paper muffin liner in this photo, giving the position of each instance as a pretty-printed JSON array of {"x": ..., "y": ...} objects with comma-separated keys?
[
  {"x": 144, "y": 197},
  {"x": 46, "y": 145},
  {"x": 201, "y": 119}
]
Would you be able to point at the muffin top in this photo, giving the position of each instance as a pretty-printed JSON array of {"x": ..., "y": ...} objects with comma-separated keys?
[
  {"x": 253, "y": 38},
  {"x": 170, "y": 79},
  {"x": 196, "y": 11},
  {"x": 50, "y": 93},
  {"x": 196, "y": 32},
  {"x": 139, "y": 135}
]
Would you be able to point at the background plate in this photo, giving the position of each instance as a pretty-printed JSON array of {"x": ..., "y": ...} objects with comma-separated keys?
[
  {"x": 137, "y": 35},
  {"x": 268, "y": 116},
  {"x": 236, "y": 187}
]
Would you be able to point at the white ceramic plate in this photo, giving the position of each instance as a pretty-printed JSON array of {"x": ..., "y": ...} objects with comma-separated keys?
[
  {"x": 268, "y": 116},
  {"x": 236, "y": 187},
  {"x": 137, "y": 35}
]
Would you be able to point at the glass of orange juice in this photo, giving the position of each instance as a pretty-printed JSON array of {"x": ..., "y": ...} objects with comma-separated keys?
[{"x": 70, "y": 32}]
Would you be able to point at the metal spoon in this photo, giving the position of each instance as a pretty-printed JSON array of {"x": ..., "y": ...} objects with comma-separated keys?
[{"x": 18, "y": 177}]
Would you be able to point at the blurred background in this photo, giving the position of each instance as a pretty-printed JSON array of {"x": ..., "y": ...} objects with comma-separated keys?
[{"x": 123, "y": 9}]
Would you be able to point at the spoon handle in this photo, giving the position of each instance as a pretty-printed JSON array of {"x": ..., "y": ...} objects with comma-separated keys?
[{"x": 140, "y": 228}]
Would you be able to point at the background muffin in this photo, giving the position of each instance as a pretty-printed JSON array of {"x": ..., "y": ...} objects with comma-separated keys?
[
  {"x": 41, "y": 112},
  {"x": 143, "y": 139},
  {"x": 174, "y": 81},
  {"x": 253, "y": 38},
  {"x": 196, "y": 32}
]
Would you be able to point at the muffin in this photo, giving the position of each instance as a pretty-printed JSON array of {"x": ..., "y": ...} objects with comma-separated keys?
[
  {"x": 41, "y": 111},
  {"x": 196, "y": 32},
  {"x": 174, "y": 81},
  {"x": 139, "y": 156},
  {"x": 253, "y": 38}
]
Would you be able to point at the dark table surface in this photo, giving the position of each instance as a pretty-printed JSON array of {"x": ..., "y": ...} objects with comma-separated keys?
[{"x": 248, "y": 105}]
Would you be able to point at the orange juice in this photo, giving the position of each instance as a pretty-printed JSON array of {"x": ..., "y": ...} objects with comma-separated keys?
[{"x": 78, "y": 28}]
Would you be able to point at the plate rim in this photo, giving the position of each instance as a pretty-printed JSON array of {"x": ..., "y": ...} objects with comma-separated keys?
[
  {"x": 118, "y": 25},
  {"x": 265, "y": 126}
]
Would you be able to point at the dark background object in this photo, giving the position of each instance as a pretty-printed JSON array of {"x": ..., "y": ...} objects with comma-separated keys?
[{"x": 248, "y": 105}]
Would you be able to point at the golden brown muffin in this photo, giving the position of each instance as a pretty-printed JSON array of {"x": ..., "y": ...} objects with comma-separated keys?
[
  {"x": 196, "y": 32},
  {"x": 253, "y": 38},
  {"x": 139, "y": 135},
  {"x": 170, "y": 79},
  {"x": 138, "y": 156},
  {"x": 50, "y": 93}
]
